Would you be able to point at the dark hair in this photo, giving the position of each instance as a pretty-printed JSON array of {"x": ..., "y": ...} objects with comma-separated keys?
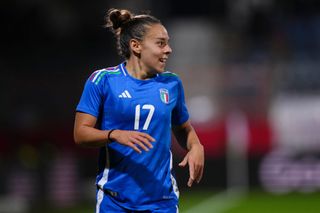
[{"x": 126, "y": 26}]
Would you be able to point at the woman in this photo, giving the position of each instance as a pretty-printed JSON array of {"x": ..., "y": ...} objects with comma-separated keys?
[{"x": 137, "y": 103}]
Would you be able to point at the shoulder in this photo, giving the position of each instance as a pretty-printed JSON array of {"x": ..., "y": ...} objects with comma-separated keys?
[
  {"x": 101, "y": 74},
  {"x": 170, "y": 76}
]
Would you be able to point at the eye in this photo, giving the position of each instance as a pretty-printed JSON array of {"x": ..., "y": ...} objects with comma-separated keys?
[{"x": 161, "y": 43}]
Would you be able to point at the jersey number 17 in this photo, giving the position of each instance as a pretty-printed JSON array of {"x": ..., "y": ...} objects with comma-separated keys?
[{"x": 137, "y": 116}]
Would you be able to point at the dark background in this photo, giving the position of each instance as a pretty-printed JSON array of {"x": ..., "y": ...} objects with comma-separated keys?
[{"x": 49, "y": 48}]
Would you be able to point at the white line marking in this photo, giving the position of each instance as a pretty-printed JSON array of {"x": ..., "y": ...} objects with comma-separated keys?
[{"x": 218, "y": 203}]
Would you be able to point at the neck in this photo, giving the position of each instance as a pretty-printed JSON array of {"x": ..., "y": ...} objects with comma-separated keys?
[{"x": 137, "y": 70}]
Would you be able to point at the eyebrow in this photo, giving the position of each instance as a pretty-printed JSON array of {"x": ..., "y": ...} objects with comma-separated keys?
[{"x": 161, "y": 38}]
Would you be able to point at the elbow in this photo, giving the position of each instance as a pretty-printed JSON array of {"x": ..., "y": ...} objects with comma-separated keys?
[
  {"x": 77, "y": 139},
  {"x": 80, "y": 142}
]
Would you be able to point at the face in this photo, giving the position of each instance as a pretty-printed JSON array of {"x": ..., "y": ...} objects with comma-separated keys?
[{"x": 155, "y": 49}]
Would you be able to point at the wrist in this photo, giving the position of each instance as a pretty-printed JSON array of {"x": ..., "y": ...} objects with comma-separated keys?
[
  {"x": 192, "y": 145},
  {"x": 110, "y": 136}
]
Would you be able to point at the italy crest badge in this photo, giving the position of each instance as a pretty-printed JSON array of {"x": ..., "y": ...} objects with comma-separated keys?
[{"x": 164, "y": 95}]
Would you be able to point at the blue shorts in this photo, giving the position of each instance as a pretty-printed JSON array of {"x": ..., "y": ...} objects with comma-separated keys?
[{"x": 106, "y": 205}]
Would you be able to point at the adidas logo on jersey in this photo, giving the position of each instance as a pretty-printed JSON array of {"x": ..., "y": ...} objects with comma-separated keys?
[{"x": 125, "y": 94}]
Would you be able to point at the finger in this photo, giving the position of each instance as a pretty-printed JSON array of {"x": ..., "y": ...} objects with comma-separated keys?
[
  {"x": 196, "y": 171},
  {"x": 134, "y": 147},
  {"x": 191, "y": 171},
  {"x": 145, "y": 141},
  {"x": 200, "y": 175},
  {"x": 183, "y": 163},
  {"x": 136, "y": 141},
  {"x": 190, "y": 182},
  {"x": 147, "y": 136}
]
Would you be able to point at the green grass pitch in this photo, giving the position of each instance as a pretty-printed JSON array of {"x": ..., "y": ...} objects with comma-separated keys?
[{"x": 206, "y": 201}]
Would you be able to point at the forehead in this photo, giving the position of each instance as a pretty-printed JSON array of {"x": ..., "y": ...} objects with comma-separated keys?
[{"x": 156, "y": 31}]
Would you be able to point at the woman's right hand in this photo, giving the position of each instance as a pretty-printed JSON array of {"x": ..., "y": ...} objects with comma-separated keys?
[{"x": 133, "y": 139}]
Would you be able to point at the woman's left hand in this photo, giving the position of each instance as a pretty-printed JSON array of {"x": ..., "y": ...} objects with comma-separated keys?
[{"x": 195, "y": 159}]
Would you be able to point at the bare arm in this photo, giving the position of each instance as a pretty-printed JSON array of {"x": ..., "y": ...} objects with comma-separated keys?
[
  {"x": 86, "y": 134},
  {"x": 187, "y": 138},
  {"x": 186, "y": 135}
]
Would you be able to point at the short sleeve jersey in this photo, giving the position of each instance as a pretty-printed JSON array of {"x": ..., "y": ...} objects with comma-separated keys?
[{"x": 136, "y": 181}]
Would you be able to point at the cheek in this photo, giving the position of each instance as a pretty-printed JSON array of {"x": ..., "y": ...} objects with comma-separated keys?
[
  {"x": 152, "y": 50},
  {"x": 151, "y": 55}
]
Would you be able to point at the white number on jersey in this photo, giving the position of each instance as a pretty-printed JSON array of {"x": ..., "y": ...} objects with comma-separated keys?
[{"x": 149, "y": 117}]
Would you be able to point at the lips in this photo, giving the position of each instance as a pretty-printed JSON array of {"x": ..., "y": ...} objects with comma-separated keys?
[{"x": 163, "y": 60}]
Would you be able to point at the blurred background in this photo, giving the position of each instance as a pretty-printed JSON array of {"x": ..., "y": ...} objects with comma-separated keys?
[{"x": 251, "y": 74}]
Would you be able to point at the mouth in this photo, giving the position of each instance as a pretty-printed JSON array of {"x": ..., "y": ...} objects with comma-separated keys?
[{"x": 163, "y": 60}]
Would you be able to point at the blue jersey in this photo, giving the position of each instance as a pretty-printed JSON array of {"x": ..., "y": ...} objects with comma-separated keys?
[{"x": 136, "y": 181}]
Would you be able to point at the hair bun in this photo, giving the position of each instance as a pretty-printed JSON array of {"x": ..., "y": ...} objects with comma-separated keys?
[{"x": 116, "y": 18}]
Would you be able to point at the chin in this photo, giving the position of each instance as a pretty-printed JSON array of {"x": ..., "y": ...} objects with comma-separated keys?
[
  {"x": 157, "y": 70},
  {"x": 161, "y": 69}
]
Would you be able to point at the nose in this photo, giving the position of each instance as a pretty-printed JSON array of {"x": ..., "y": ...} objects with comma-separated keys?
[{"x": 168, "y": 49}]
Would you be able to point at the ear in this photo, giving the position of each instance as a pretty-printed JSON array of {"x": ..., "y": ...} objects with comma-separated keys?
[{"x": 135, "y": 46}]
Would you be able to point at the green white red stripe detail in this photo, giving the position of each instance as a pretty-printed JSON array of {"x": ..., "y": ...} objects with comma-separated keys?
[{"x": 97, "y": 75}]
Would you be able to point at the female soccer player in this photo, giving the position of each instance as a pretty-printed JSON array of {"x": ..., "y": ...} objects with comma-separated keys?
[{"x": 137, "y": 103}]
